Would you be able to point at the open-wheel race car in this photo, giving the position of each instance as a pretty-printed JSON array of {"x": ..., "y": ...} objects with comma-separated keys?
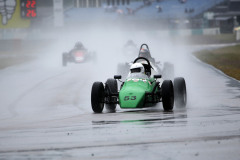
[
  {"x": 78, "y": 54},
  {"x": 166, "y": 69},
  {"x": 140, "y": 90}
]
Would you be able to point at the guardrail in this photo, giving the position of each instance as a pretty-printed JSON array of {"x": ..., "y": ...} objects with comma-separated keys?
[
  {"x": 189, "y": 32},
  {"x": 238, "y": 35}
]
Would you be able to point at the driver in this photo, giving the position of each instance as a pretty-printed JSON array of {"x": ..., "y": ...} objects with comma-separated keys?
[
  {"x": 79, "y": 46},
  {"x": 137, "y": 70}
]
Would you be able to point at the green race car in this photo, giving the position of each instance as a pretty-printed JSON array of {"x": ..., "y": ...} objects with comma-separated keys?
[{"x": 140, "y": 90}]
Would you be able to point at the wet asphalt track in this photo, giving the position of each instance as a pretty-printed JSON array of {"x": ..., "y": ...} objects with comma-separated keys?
[{"x": 45, "y": 113}]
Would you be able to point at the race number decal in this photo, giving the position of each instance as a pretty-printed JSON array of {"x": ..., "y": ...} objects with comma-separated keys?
[
  {"x": 133, "y": 97},
  {"x": 126, "y": 98}
]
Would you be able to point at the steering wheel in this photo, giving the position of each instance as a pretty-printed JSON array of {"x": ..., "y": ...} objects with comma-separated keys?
[{"x": 143, "y": 59}]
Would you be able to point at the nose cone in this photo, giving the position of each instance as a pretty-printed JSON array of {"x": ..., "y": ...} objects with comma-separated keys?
[{"x": 132, "y": 95}]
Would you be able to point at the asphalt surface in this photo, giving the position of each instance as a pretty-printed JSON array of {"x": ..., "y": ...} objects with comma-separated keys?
[{"x": 45, "y": 113}]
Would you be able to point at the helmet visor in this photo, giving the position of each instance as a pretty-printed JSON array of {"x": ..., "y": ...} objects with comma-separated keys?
[{"x": 135, "y": 70}]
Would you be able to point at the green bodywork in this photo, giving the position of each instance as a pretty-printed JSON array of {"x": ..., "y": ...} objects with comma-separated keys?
[{"x": 132, "y": 93}]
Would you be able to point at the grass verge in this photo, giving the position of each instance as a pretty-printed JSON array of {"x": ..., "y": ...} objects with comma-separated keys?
[
  {"x": 212, "y": 39},
  {"x": 226, "y": 59}
]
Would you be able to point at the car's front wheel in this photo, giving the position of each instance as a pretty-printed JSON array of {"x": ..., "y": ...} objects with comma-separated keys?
[
  {"x": 97, "y": 97},
  {"x": 167, "y": 95},
  {"x": 112, "y": 88}
]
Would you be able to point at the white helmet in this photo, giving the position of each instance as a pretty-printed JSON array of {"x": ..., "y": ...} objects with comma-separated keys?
[{"x": 137, "y": 68}]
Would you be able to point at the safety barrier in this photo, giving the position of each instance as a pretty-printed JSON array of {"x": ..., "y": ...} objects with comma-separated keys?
[
  {"x": 238, "y": 35},
  {"x": 189, "y": 32}
]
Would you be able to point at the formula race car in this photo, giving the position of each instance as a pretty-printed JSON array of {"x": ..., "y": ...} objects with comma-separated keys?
[
  {"x": 140, "y": 90},
  {"x": 78, "y": 54},
  {"x": 167, "y": 71}
]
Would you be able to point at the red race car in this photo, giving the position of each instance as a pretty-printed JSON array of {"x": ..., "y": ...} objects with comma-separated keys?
[{"x": 78, "y": 54}]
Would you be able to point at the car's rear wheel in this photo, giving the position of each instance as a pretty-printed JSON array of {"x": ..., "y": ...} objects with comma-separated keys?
[
  {"x": 97, "y": 97},
  {"x": 112, "y": 88},
  {"x": 64, "y": 59},
  {"x": 180, "y": 92},
  {"x": 167, "y": 95}
]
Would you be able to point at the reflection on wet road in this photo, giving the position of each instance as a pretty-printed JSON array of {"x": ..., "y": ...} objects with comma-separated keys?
[
  {"x": 128, "y": 133},
  {"x": 155, "y": 116}
]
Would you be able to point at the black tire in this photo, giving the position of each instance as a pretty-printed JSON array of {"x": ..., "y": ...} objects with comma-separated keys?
[
  {"x": 97, "y": 97},
  {"x": 168, "y": 71},
  {"x": 113, "y": 86},
  {"x": 64, "y": 59},
  {"x": 167, "y": 95},
  {"x": 180, "y": 92}
]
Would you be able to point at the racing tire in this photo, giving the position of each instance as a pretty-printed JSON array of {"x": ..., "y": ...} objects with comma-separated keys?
[
  {"x": 64, "y": 59},
  {"x": 97, "y": 97},
  {"x": 167, "y": 95},
  {"x": 168, "y": 71},
  {"x": 180, "y": 92},
  {"x": 113, "y": 86}
]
